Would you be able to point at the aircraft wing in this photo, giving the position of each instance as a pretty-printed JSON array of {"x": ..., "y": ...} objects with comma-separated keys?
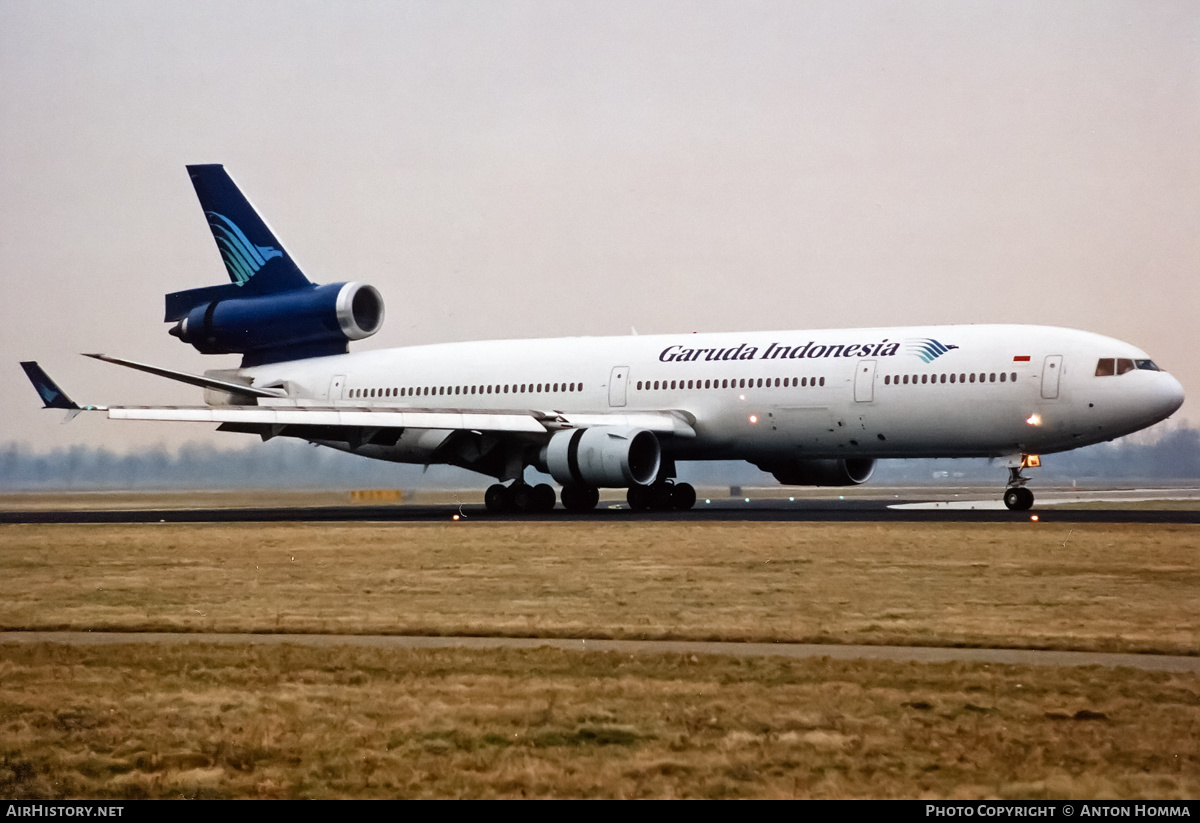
[
  {"x": 277, "y": 414},
  {"x": 272, "y": 415}
]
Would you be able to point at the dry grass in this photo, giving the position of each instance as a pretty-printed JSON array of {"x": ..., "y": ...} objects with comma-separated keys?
[
  {"x": 140, "y": 720},
  {"x": 1111, "y": 588}
]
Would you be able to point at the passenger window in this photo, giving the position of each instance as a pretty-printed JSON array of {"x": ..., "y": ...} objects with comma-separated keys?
[
  {"x": 822, "y": 381},
  {"x": 1124, "y": 365},
  {"x": 972, "y": 377},
  {"x": 1003, "y": 375},
  {"x": 1013, "y": 377},
  {"x": 992, "y": 377}
]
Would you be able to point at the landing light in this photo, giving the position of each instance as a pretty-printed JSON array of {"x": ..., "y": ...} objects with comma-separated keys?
[
  {"x": 754, "y": 418},
  {"x": 1034, "y": 420},
  {"x": 1033, "y": 518}
]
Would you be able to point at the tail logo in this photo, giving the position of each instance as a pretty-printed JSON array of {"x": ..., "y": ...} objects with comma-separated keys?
[
  {"x": 927, "y": 348},
  {"x": 242, "y": 258},
  {"x": 48, "y": 394}
]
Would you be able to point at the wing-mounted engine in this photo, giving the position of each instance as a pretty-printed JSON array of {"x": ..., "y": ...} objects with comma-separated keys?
[
  {"x": 267, "y": 328},
  {"x": 852, "y": 471},
  {"x": 602, "y": 456}
]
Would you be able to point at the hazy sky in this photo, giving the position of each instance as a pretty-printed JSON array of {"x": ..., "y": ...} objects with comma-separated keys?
[{"x": 513, "y": 169}]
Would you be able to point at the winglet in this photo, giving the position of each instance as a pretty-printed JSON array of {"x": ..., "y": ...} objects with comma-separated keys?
[{"x": 52, "y": 396}]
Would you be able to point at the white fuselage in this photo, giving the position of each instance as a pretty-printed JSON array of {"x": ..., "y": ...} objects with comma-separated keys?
[{"x": 935, "y": 391}]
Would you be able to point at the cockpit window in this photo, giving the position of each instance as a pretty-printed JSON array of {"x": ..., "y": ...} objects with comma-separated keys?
[{"x": 1109, "y": 366}]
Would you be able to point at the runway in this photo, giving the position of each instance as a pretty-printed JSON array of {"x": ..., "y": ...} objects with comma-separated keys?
[
  {"x": 872, "y": 510},
  {"x": 915, "y": 654}
]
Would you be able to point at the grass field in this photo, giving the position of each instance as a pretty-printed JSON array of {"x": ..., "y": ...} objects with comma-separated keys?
[
  {"x": 209, "y": 721},
  {"x": 144, "y": 721},
  {"x": 1105, "y": 588}
]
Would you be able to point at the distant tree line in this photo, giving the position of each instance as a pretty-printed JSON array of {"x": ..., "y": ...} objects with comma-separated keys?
[{"x": 1169, "y": 454}]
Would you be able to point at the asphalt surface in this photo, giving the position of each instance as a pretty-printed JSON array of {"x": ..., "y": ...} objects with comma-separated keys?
[
  {"x": 919, "y": 654},
  {"x": 761, "y": 511}
]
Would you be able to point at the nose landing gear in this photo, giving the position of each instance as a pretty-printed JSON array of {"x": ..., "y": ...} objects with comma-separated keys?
[{"x": 1016, "y": 497}]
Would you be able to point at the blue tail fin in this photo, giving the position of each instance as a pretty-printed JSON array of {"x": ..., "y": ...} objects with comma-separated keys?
[
  {"x": 52, "y": 396},
  {"x": 256, "y": 261}
]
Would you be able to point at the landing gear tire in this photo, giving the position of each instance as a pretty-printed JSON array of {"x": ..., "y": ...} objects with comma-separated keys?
[
  {"x": 543, "y": 497},
  {"x": 579, "y": 498},
  {"x": 522, "y": 497},
  {"x": 1018, "y": 499},
  {"x": 662, "y": 497},
  {"x": 497, "y": 499},
  {"x": 683, "y": 496},
  {"x": 640, "y": 498}
]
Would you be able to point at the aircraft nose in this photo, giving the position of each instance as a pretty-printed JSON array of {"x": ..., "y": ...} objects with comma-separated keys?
[{"x": 1168, "y": 395}]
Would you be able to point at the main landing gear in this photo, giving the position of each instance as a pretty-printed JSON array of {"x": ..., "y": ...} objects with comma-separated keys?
[
  {"x": 520, "y": 497},
  {"x": 523, "y": 498},
  {"x": 1016, "y": 497},
  {"x": 662, "y": 495}
]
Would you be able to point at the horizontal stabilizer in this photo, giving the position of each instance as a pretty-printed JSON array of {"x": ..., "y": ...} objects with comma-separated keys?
[
  {"x": 181, "y": 302},
  {"x": 190, "y": 379}
]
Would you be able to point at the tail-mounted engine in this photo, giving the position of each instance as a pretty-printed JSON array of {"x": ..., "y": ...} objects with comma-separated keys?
[
  {"x": 604, "y": 456},
  {"x": 269, "y": 311},
  {"x": 852, "y": 471},
  {"x": 266, "y": 328}
]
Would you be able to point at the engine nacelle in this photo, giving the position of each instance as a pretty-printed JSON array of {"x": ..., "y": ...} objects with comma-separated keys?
[
  {"x": 603, "y": 456},
  {"x": 313, "y": 322},
  {"x": 852, "y": 471}
]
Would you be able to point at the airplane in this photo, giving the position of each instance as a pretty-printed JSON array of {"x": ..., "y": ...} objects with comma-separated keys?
[{"x": 812, "y": 408}]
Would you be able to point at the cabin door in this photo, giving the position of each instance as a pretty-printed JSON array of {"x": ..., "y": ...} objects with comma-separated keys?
[
  {"x": 1051, "y": 372},
  {"x": 864, "y": 381},
  {"x": 335, "y": 387},
  {"x": 617, "y": 383}
]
